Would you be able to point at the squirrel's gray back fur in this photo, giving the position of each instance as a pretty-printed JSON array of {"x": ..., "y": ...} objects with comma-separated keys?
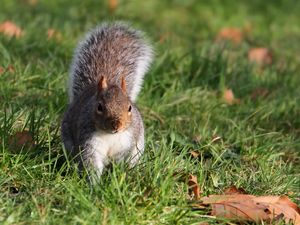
[{"x": 110, "y": 50}]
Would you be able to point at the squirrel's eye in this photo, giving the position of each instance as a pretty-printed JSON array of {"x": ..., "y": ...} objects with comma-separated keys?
[
  {"x": 129, "y": 109},
  {"x": 100, "y": 108}
]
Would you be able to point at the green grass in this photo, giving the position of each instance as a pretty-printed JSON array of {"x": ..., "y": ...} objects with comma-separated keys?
[{"x": 259, "y": 149}]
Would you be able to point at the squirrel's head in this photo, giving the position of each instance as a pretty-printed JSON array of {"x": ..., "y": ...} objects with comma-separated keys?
[{"x": 113, "y": 107}]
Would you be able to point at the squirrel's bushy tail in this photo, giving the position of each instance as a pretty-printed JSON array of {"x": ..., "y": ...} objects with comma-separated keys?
[{"x": 112, "y": 50}]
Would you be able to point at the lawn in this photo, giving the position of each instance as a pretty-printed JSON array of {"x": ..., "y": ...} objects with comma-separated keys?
[{"x": 252, "y": 143}]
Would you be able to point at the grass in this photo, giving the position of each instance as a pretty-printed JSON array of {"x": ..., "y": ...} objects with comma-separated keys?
[{"x": 181, "y": 99}]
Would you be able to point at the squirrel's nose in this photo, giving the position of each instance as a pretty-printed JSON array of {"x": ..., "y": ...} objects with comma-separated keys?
[{"x": 115, "y": 124}]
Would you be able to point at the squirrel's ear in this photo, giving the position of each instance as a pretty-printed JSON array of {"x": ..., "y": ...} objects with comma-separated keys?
[
  {"x": 123, "y": 85},
  {"x": 102, "y": 84}
]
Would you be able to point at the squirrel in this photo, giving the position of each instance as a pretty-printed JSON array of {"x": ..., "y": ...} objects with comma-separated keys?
[{"x": 102, "y": 123}]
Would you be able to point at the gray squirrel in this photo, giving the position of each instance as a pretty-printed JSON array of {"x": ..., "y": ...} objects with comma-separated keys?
[{"x": 102, "y": 123}]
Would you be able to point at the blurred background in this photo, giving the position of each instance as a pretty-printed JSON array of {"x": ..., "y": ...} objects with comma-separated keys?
[{"x": 182, "y": 24}]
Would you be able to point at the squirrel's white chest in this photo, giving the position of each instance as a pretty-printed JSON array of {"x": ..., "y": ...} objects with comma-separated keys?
[{"x": 108, "y": 146}]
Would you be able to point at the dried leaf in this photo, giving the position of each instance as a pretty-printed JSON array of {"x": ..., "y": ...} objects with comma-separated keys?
[
  {"x": 260, "y": 56},
  {"x": 278, "y": 199},
  {"x": 194, "y": 154},
  {"x": 53, "y": 34},
  {"x": 230, "y": 34},
  {"x": 259, "y": 93},
  {"x": 191, "y": 180},
  {"x": 2, "y": 70},
  {"x": 194, "y": 186},
  {"x": 19, "y": 140},
  {"x": 32, "y": 2},
  {"x": 232, "y": 190},
  {"x": 112, "y": 5},
  {"x": 10, "y": 68},
  {"x": 229, "y": 98},
  {"x": 252, "y": 208},
  {"x": 10, "y": 29}
]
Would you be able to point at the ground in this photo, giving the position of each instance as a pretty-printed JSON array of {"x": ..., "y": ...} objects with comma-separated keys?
[{"x": 252, "y": 142}]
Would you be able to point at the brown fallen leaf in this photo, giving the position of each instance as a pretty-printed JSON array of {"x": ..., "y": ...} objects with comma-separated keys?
[
  {"x": 194, "y": 186},
  {"x": 204, "y": 223},
  {"x": 112, "y": 5},
  {"x": 194, "y": 154},
  {"x": 279, "y": 199},
  {"x": 192, "y": 182},
  {"x": 232, "y": 190},
  {"x": 54, "y": 34},
  {"x": 232, "y": 34},
  {"x": 229, "y": 98},
  {"x": 252, "y": 208},
  {"x": 10, "y": 29},
  {"x": 19, "y": 140},
  {"x": 10, "y": 68},
  {"x": 32, "y": 2},
  {"x": 2, "y": 70},
  {"x": 260, "y": 56},
  {"x": 259, "y": 93}
]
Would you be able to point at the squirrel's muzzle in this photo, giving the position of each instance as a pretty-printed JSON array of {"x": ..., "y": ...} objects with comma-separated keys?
[{"x": 115, "y": 125}]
